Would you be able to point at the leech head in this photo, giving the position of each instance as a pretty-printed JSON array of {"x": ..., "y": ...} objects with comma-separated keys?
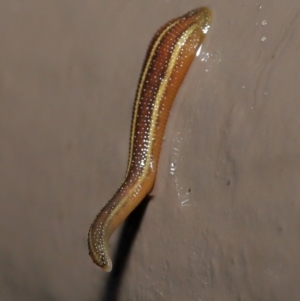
[
  {"x": 98, "y": 247},
  {"x": 204, "y": 17},
  {"x": 103, "y": 261},
  {"x": 105, "y": 264}
]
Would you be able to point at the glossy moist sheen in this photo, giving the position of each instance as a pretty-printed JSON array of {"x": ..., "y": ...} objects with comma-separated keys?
[{"x": 169, "y": 57}]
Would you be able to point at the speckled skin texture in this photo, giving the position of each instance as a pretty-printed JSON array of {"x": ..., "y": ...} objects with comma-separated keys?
[
  {"x": 169, "y": 56},
  {"x": 224, "y": 216}
]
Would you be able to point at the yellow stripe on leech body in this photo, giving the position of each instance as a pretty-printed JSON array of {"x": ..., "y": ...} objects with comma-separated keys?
[
  {"x": 160, "y": 94},
  {"x": 158, "y": 99},
  {"x": 141, "y": 84}
]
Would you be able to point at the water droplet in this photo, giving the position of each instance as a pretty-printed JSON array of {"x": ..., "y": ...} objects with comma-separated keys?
[
  {"x": 199, "y": 50},
  {"x": 205, "y": 57},
  {"x": 184, "y": 203},
  {"x": 172, "y": 168}
]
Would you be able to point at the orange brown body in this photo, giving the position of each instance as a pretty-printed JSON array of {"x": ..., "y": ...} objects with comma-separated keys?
[{"x": 168, "y": 59}]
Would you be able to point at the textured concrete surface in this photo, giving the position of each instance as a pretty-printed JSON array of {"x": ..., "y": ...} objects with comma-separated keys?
[{"x": 224, "y": 220}]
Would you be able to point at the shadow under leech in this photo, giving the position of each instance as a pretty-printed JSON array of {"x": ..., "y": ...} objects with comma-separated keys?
[{"x": 121, "y": 256}]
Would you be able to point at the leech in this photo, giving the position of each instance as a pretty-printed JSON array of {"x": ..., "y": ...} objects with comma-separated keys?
[{"x": 168, "y": 59}]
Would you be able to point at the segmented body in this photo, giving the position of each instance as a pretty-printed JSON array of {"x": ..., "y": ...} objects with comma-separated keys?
[{"x": 168, "y": 59}]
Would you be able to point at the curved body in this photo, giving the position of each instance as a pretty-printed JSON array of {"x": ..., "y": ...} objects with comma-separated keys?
[{"x": 168, "y": 59}]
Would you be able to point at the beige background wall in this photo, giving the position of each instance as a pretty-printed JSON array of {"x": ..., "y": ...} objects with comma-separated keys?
[{"x": 224, "y": 222}]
